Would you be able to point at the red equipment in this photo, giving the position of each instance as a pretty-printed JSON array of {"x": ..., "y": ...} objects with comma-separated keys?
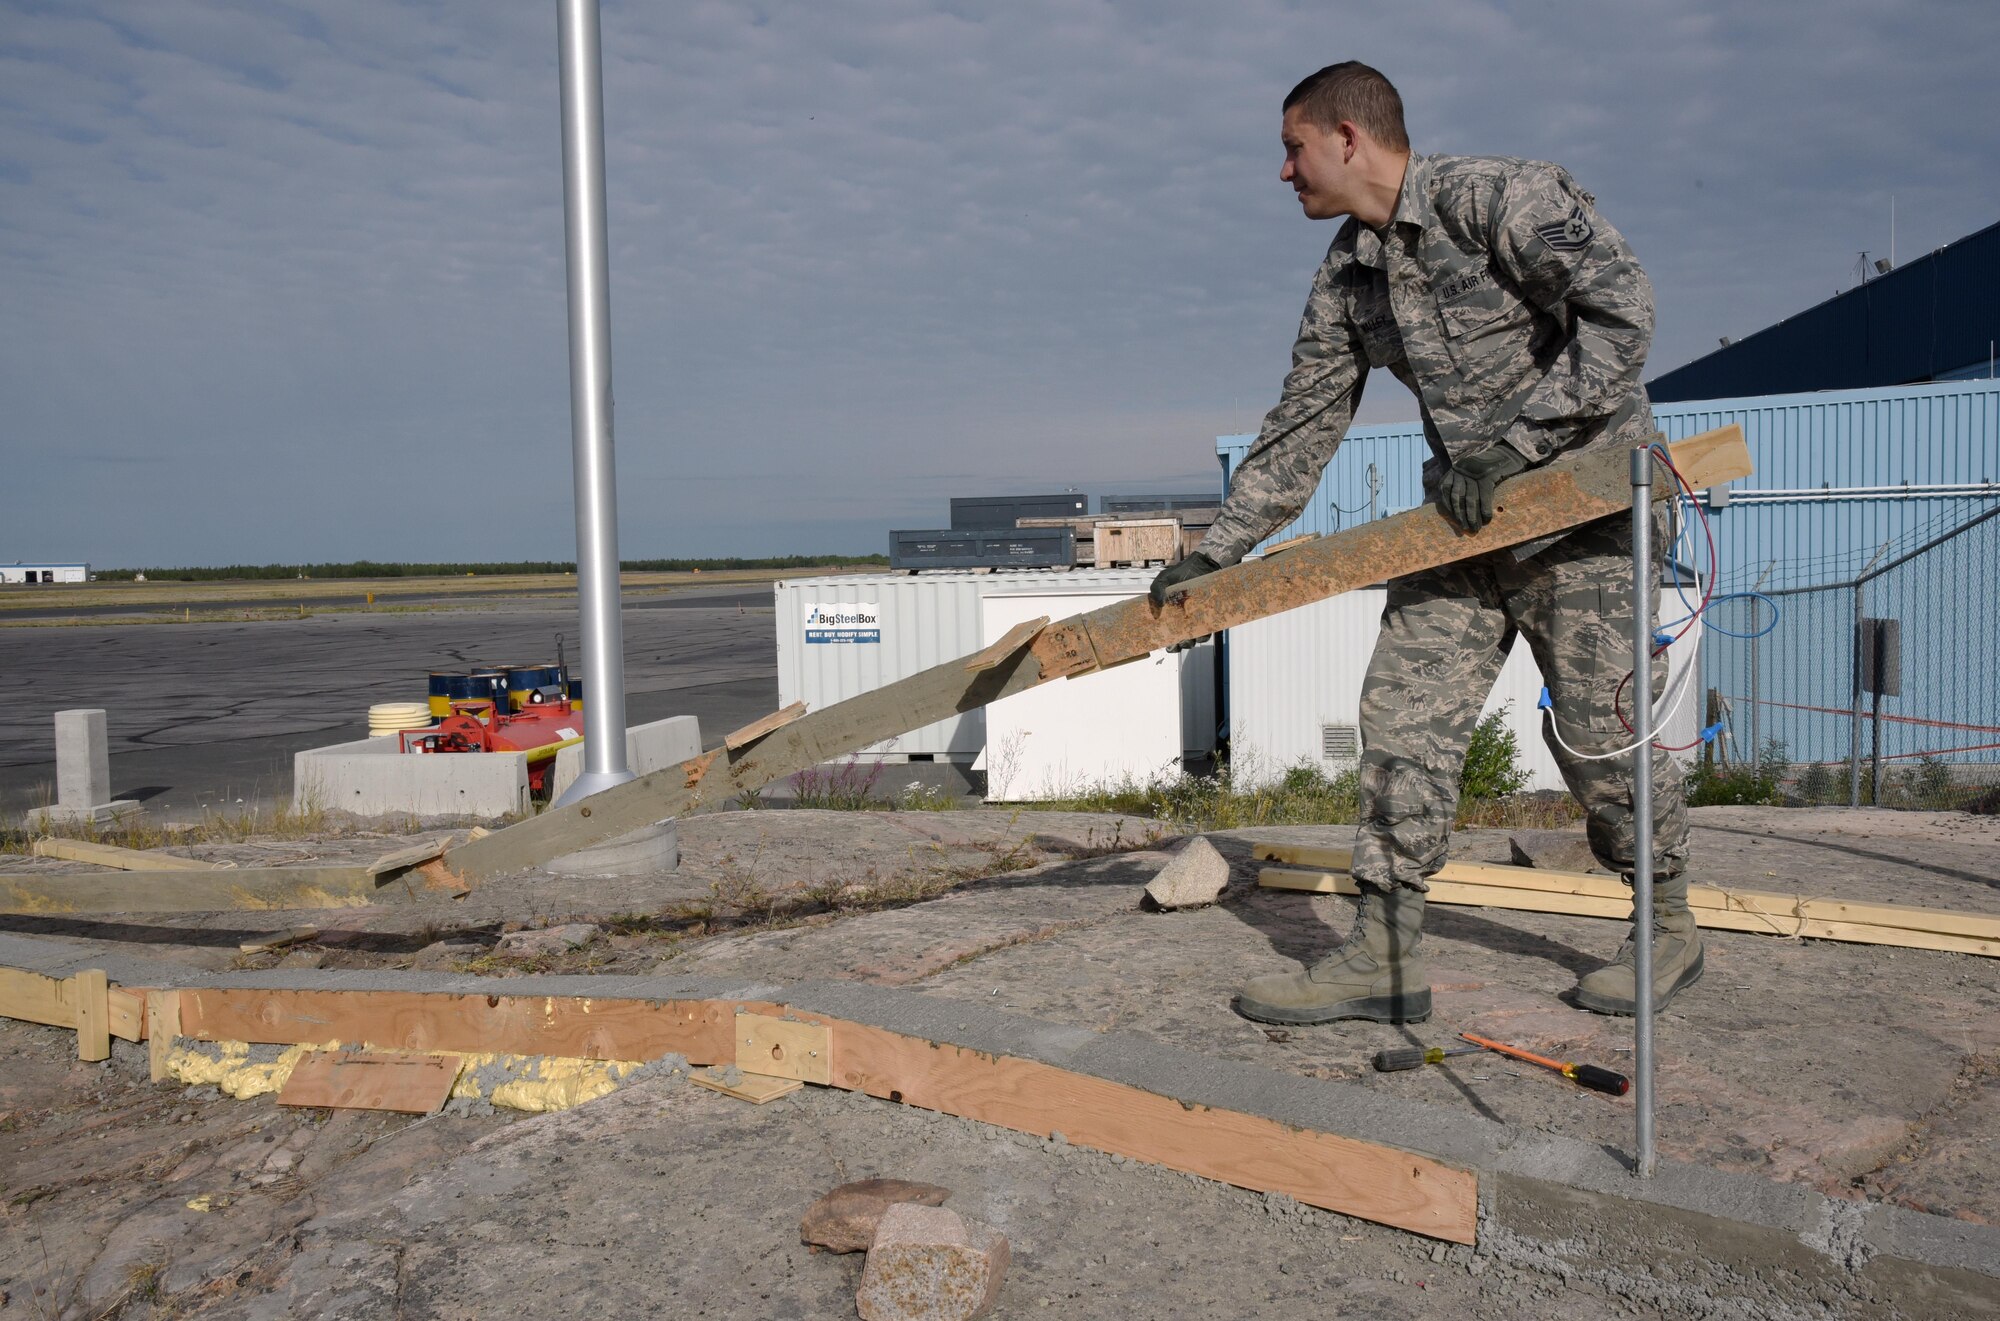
[{"x": 539, "y": 729}]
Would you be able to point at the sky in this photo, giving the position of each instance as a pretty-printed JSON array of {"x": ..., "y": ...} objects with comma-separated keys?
[{"x": 284, "y": 282}]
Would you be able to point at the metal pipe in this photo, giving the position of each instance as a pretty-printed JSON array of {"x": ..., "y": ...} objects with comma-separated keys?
[
  {"x": 1935, "y": 491},
  {"x": 582, "y": 93},
  {"x": 1643, "y": 575},
  {"x": 1854, "y": 733}
]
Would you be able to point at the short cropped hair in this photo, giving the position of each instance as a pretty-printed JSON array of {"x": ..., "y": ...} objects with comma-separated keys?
[{"x": 1352, "y": 91}]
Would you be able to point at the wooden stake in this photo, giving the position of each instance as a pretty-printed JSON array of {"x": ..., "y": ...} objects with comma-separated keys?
[
  {"x": 93, "y": 1015},
  {"x": 163, "y": 1025}
]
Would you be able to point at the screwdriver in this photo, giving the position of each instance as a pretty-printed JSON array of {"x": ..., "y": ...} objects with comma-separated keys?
[
  {"x": 1389, "y": 1061},
  {"x": 1584, "y": 1075}
]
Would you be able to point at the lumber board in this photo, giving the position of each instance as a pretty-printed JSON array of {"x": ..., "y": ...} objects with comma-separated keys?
[
  {"x": 112, "y": 855},
  {"x": 125, "y": 1015},
  {"x": 751, "y": 1087},
  {"x": 576, "y": 1027},
  {"x": 1619, "y": 908},
  {"x": 1354, "y": 1177},
  {"x": 1785, "y": 908},
  {"x": 278, "y": 940},
  {"x": 371, "y": 1080},
  {"x": 1007, "y": 644},
  {"x": 404, "y": 859},
  {"x": 163, "y": 1026},
  {"x": 250, "y": 888},
  {"x": 33, "y": 998},
  {"x": 784, "y": 1048},
  {"x": 1574, "y": 490},
  {"x": 93, "y": 1014},
  {"x": 1378, "y": 1183},
  {"x": 756, "y": 729}
]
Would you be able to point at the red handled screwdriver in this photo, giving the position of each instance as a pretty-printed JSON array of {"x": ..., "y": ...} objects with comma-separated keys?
[{"x": 1584, "y": 1075}]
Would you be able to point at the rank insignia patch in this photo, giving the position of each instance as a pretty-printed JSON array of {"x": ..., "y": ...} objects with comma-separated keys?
[{"x": 1571, "y": 235}]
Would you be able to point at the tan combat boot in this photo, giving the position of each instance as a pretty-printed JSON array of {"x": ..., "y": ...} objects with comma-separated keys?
[
  {"x": 1376, "y": 973},
  {"x": 1677, "y": 961}
]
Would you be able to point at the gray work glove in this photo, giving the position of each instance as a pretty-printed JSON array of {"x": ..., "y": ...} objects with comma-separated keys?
[
  {"x": 1174, "y": 575},
  {"x": 1172, "y": 582},
  {"x": 1466, "y": 493}
]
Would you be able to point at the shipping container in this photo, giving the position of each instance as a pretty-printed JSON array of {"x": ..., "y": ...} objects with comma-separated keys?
[
  {"x": 846, "y": 634},
  {"x": 972, "y": 513},
  {"x": 1018, "y": 548}
]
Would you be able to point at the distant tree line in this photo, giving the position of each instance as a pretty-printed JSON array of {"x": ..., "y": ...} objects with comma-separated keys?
[{"x": 372, "y": 569}]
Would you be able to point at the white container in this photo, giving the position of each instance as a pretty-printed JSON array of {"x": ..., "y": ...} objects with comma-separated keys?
[
  {"x": 899, "y": 624},
  {"x": 1295, "y": 690}
]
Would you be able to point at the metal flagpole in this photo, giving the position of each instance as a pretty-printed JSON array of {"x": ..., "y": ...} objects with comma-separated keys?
[
  {"x": 582, "y": 91},
  {"x": 1642, "y": 801}
]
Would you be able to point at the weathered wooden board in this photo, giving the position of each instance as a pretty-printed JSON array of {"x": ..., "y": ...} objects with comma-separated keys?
[
  {"x": 111, "y": 855},
  {"x": 163, "y": 1026},
  {"x": 1568, "y": 493},
  {"x": 93, "y": 1014},
  {"x": 1785, "y": 910},
  {"x": 371, "y": 1080},
  {"x": 756, "y": 729},
  {"x": 191, "y": 891}
]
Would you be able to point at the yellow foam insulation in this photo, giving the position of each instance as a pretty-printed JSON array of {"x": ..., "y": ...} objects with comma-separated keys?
[{"x": 533, "y": 1083}]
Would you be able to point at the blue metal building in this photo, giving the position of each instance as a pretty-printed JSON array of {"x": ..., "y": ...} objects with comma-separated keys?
[
  {"x": 1935, "y": 319},
  {"x": 1844, "y": 479}
]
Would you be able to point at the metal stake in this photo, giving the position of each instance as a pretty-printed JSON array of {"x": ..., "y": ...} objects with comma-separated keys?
[
  {"x": 1642, "y": 801},
  {"x": 582, "y": 86}
]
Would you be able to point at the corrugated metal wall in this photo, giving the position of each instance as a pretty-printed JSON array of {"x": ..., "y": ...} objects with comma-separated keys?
[{"x": 1815, "y": 512}]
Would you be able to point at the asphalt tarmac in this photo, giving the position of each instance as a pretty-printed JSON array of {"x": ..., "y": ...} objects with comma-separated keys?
[{"x": 206, "y": 716}]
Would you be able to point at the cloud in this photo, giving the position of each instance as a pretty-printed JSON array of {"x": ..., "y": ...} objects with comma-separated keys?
[{"x": 310, "y": 257}]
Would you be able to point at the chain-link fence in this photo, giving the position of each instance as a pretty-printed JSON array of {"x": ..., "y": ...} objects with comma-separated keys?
[{"x": 1872, "y": 678}]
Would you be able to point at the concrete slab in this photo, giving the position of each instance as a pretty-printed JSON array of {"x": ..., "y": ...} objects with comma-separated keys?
[
  {"x": 371, "y": 777},
  {"x": 648, "y": 748}
]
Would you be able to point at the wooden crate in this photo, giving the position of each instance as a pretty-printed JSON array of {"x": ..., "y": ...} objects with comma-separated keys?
[{"x": 1137, "y": 541}]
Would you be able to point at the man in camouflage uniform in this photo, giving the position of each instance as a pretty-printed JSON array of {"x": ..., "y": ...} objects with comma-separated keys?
[{"x": 1520, "y": 319}]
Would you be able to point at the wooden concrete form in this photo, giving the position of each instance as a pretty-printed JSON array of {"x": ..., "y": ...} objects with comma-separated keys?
[
  {"x": 84, "y": 1002},
  {"x": 1572, "y": 491},
  {"x": 1354, "y": 1177},
  {"x": 1586, "y": 894}
]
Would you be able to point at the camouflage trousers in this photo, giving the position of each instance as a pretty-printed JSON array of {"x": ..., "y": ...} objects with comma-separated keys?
[{"x": 1445, "y": 634}]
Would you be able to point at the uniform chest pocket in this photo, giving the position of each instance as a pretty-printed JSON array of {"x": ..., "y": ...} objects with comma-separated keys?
[{"x": 1485, "y": 330}]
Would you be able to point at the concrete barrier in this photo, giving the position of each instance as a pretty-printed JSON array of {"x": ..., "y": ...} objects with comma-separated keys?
[
  {"x": 83, "y": 774},
  {"x": 370, "y": 777},
  {"x": 648, "y": 748}
]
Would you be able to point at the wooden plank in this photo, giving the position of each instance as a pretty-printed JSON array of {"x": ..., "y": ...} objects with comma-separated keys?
[
  {"x": 1785, "y": 908},
  {"x": 751, "y": 1087},
  {"x": 756, "y": 729},
  {"x": 404, "y": 859},
  {"x": 1356, "y": 1178},
  {"x": 111, "y": 855},
  {"x": 252, "y": 888},
  {"x": 278, "y": 940},
  {"x": 371, "y": 1080},
  {"x": 1009, "y": 642},
  {"x": 93, "y": 1014},
  {"x": 504, "y": 1024},
  {"x": 1343, "y": 1174},
  {"x": 1619, "y": 907},
  {"x": 125, "y": 1015},
  {"x": 1567, "y": 493},
  {"x": 33, "y": 998},
  {"x": 163, "y": 1026},
  {"x": 784, "y": 1048}
]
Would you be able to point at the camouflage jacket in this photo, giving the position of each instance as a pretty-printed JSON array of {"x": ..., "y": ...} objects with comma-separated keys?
[{"x": 1497, "y": 294}]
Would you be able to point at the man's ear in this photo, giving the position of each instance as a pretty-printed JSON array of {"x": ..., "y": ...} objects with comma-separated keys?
[{"x": 1350, "y": 139}]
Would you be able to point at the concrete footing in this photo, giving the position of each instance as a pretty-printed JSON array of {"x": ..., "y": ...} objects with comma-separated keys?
[
  {"x": 373, "y": 777},
  {"x": 1691, "y": 1238}
]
